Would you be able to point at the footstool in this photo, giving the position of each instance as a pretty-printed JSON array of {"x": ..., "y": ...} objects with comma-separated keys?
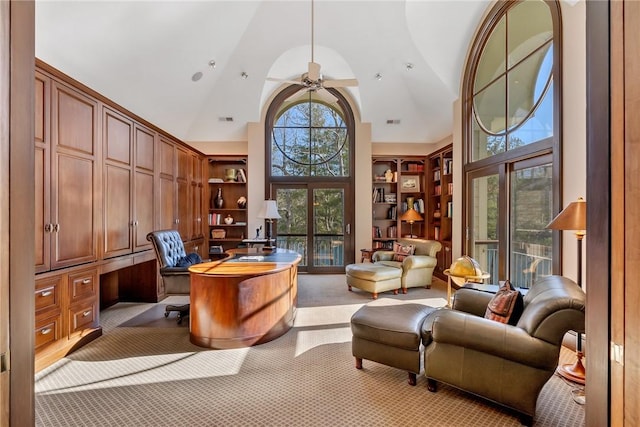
[
  {"x": 374, "y": 278},
  {"x": 391, "y": 335}
]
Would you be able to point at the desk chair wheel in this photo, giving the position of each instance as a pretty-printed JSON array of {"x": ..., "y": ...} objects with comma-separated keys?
[{"x": 183, "y": 311}]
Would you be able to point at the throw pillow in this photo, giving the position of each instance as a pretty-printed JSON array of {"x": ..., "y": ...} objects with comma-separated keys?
[
  {"x": 506, "y": 305},
  {"x": 189, "y": 259},
  {"x": 400, "y": 252}
]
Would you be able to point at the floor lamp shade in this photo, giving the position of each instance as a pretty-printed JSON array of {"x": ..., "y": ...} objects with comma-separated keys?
[{"x": 574, "y": 218}]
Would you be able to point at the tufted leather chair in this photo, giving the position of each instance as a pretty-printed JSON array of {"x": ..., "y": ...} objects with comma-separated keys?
[
  {"x": 169, "y": 250},
  {"x": 500, "y": 362}
]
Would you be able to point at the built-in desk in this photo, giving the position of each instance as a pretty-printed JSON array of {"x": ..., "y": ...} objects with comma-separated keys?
[{"x": 247, "y": 299}]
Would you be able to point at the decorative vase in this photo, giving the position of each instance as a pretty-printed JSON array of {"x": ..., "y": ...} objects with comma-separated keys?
[
  {"x": 230, "y": 175},
  {"x": 410, "y": 203},
  {"x": 228, "y": 220},
  {"x": 218, "y": 201}
]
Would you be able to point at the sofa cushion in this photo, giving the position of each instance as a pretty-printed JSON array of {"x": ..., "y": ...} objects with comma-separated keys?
[
  {"x": 506, "y": 305},
  {"x": 400, "y": 252}
]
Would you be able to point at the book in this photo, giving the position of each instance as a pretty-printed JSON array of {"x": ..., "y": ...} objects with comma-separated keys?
[{"x": 242, "y": 175}]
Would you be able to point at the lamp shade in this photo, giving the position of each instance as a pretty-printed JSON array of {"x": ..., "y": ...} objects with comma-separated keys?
[
  {"x": 411, "y": 215},
  {"x": 573, "y": 217},
  {"x": 269, "y": 210}
]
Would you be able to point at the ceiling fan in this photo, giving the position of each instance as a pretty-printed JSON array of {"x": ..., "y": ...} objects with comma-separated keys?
[{"x": 312, "y": 80}]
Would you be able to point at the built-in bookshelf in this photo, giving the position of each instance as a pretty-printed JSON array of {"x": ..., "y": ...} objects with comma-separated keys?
[
  {"x": 227, "y": 218},
  {"x": 397, "y": 181},
  {"x": 439, "y": 213}
]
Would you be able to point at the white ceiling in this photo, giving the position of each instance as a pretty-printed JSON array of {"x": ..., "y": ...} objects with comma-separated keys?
[{"x": 142, "y": 55}]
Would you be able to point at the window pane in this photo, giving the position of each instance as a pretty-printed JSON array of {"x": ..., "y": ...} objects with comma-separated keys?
[
  {"x": 527, "y": 82},
  {"x": 530, "y": 27},
  {"x": 292, "y": 226},
  {"x": 531, "y": 210},
  {"x": 492, "y": 64},
  {"x": 328, "y": 227},
  {"x": 489, "y": 124},
  {"x": 329, "y": 152},
  {"x": 484, "y": 220}
]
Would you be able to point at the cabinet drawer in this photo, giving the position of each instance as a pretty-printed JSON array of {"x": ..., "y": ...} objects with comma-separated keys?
[
  {"x": 83, "y": 285},
  {"x": 47, "y": 294},
  {"x": 83, "y": 316},
  {"x": 47, "y": 331}
]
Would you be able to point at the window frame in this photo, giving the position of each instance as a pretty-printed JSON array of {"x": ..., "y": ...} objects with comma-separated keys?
[{"x": 507, "y": 160}]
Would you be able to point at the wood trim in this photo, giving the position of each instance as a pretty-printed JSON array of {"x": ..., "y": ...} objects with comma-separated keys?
[
  {"x": 22, "y": 212},
  {"x": 598, "y": 214}
]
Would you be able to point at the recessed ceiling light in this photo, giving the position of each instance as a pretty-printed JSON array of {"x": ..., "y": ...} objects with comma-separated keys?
[
  {"x": 409, "y": 66},
  {"x": 378, "y": 76},
  {"x": 197, "y": 76},
  {"x": 212, "y": 64},
  {"x": 244, "y": 75}
]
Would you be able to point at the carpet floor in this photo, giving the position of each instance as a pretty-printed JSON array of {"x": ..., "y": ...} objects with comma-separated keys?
[{"x": 144, "y": 371}]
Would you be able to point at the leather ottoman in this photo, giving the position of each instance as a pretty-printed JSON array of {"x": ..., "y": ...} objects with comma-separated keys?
[
  {"x": 373, "y": 278},
  {"x": 391, "y": 335}
]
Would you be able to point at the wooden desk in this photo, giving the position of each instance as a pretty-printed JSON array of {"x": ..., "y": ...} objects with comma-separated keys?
[{"x": 245, "y": 300}]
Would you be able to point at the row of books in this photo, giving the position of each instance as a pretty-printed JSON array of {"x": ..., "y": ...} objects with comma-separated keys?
[
  {"x": 379, "y": 196},
  {"x": 437, "y": 190},
  {"x": 218, "y": 219},
  {"x": 414, "y": 167},
  {"x": 383, "y": 245},
  {"x": 448, "y": 166},
  {"x": 392, "y": 232},
  {"x": 418, "y": 206}
]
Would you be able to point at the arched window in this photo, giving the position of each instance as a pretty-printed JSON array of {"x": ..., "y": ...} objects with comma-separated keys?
[
  {"x": 309, "y": 172},
  {"x": 512, "y": 140}
]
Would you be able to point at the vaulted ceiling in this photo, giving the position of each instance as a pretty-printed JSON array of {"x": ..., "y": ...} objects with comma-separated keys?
[{"x": 144, "y": 54}]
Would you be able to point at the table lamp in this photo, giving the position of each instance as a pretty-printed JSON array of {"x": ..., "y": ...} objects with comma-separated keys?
[
  {"x": 411, "y": 216},
  {"x": 574, "y": 217},
  {"x": 269, "y": 212}
]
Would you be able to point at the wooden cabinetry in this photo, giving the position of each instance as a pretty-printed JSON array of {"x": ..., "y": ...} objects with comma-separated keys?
[
  {"x": 228, "y": 220},
  {"x": 166, "y": 182},
  {"x": 67, "y": 311},
  {"x": 397, "y": 181},
  {"x": 66, "y": 176},
  {"x": 439, "y": 217}
]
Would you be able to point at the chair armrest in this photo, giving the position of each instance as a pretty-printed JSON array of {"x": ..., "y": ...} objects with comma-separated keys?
[
  {"x": 490, "y": 337},
  {"x": 419, "y": 261},
  {"x": 471, "y": 301},
  {"x": 382, "y": 256}
]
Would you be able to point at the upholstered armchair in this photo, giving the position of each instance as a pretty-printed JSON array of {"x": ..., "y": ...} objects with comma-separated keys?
[
  {"x": 417, "y": 269},
  {"x": 502, "y": 363}
]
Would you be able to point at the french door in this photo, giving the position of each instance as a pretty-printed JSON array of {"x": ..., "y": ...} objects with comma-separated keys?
[{"x": 316, "y": 221}]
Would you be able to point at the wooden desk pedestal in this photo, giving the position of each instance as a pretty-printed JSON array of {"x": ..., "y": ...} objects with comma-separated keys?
[{"x": 236, "y": 303}]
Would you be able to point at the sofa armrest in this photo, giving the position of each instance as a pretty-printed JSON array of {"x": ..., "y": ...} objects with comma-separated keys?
[
  {"x": 382, "y": 256},
  {"x": 419, "y": 261},
  {"x": 490, "y": 337},
  {"x": 471, "y": 301}
]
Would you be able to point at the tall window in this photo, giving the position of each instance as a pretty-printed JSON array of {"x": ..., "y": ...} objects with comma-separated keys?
[
  {"x": 512, "y": 144},
  {"x": 309, "y": 173}
]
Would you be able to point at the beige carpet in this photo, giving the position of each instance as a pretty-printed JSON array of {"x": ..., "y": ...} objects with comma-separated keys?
[{"x": 148, "y": 374}]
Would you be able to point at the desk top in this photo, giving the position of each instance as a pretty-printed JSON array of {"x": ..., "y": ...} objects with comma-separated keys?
[{"x": 245, "y": 262}]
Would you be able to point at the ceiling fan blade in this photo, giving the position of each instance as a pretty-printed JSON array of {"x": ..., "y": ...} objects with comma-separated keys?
[
  {"x": 314, "y": 71},
  {"x": 326, "y": 96},
  {"x": 273, "y": 79},
  {"x": 340, "y": 83},
  {"x": 296, "y": 95}
]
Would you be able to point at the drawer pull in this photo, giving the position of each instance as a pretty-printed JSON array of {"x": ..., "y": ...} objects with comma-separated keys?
[
  {"x": 45, "y": 293},
  {"x": 86, "y": 313},
  {"x": 85, "y": 281},
  {"x": 46, "y": 331}
]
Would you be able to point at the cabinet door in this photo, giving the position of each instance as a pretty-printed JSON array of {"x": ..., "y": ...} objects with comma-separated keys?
[
  {"x": 144, "y": 189},
  {"x": 73, "y": 180},
  {"x": 196, "y": 197},
  {"x": 183, "y": 205},
  {"x": 117, "y": 131},
  {"x": 42, "y": 173},
  {"x": 167, "y": 185}
]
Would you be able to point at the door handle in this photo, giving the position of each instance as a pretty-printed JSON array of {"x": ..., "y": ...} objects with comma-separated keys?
[{"x": 348, "y": 228}]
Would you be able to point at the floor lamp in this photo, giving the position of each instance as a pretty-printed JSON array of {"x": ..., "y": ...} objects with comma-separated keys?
[
  {"x": 574, "y": 218},
  {"x": 411, "y": 216}
]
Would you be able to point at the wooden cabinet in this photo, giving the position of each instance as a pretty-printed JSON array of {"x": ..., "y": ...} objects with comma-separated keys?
[
  {"x": 398, "y": 182},
  {"x": 66, "y": 176},
  {"x": 66, "y": 312},
  {"x": 166, "y": 191},
  {"x": 144, "y": 186},
  {"x": 228, "y": 177},
  {"x": 439, "y": 216},
  {"x": 183, "y": 193}
]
